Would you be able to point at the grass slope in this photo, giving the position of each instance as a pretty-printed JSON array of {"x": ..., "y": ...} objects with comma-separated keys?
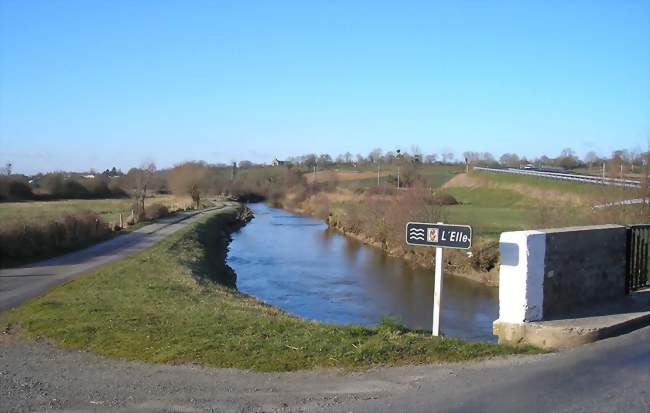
[
  {"x": 491, "y": 211},
  {"x": 153, "y": 307}
]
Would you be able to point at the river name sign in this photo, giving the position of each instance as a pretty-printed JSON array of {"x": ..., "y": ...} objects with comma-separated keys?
[{"x": 440, "y": 236}]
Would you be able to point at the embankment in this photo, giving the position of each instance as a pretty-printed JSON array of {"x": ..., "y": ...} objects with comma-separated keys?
[{"x": 214, "y": 235}]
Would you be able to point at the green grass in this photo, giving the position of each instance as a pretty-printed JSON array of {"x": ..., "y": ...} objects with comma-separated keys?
[
  {"x": 544, "y": 183},
  {"x": 491, "y": 211},
  {"x": 437, "y": 175},
  {"x": 151, "y": 307},
  {"x": 109, "y": 209}
]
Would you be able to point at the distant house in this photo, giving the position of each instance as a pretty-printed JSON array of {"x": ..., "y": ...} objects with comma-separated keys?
[
  {"x": 89, "y": 176},
  {"x": 275, "y": 162}
]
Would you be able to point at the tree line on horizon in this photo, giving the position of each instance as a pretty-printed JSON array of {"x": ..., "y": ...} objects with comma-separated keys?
[{"x": 201, "y": 177}]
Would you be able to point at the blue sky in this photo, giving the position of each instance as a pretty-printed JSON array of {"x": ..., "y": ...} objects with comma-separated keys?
[{"x": 93, "y": 84}]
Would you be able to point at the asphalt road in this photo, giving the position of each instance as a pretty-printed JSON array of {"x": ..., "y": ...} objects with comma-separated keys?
[
  {"x": 612, "y": 375},
  {"x": 18, "y": 285}
]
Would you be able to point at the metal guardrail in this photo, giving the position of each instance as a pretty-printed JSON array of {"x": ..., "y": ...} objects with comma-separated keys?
[
  {"x": 588, "y": 179},
  {"x": 637, "y": 265}
]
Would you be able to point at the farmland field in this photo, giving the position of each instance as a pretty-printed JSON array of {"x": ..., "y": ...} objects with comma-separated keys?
[{"x": 108, "y": 209}]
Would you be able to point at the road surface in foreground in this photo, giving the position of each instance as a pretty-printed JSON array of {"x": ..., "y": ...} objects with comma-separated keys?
[{"x": 608, "y": 376}]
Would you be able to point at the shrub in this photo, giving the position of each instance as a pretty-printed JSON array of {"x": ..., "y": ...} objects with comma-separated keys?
[
  {"x": 485, "y": 257},
  {"x": 443, "y": 198},
  {"x": 15, "y": 188},
  {"x": 155, "y": 211},
  {"x": 22, "y": 240}
]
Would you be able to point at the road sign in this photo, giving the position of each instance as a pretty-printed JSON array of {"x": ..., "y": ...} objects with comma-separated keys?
[{"x": 439, "y": 235}]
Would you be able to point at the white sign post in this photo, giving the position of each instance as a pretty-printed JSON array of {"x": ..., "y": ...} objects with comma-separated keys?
[
  {"x": 440, "y": 236},
  {"x": 437, "y": 293}
]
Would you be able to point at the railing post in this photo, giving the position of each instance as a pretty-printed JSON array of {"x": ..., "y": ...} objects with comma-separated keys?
[{"x": 628, "y": 259}]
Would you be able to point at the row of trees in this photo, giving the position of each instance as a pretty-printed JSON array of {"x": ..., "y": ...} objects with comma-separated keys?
[
  {"x": 567, "y": 159},
  {"x": 200, "y": 177}
]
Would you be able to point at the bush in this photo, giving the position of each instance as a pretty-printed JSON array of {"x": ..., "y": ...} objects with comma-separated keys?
[
  {"x": 22, "y": 241},
  {"x": 15, "y": 188},
  {"x": 56, "y": 186},
  {"x": 443, "y": 198},
  {"x": 155, "y": 211}
]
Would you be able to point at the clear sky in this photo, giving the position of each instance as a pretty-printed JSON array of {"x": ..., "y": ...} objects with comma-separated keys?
[{"x": 93, "y": 84}]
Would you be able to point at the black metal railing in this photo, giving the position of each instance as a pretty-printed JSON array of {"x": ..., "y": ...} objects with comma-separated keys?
[{"x": 638, "y": 258}]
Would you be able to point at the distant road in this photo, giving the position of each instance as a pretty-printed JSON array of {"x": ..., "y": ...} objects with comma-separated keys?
[
  {"x": 18, "y": 285},
  {"x": 566, "y": 176}
]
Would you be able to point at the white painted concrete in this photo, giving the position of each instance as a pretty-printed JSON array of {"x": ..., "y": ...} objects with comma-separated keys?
[{"x": 521, "y": 276}]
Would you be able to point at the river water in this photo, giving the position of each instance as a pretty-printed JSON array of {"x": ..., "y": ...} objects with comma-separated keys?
[{"x": 297, "y": 264}]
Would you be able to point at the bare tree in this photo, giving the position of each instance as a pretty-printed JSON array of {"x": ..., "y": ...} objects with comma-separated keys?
[
  {"x": 591, "y": 158},
  {"x": 375, "y": 155},
  {"x": 568, "y": 159},
  {"x": 447, "y": 157},
  {"x": 510, "y": 160},
  {"x": 324, "y": 160},
  {"x": 431, "y": 158},
  {"x": 142, "y": 177},
  {"x": 188, "y": 178}
]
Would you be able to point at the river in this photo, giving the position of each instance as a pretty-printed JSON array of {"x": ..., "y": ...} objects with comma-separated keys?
[{"x": 299, "y": 265}]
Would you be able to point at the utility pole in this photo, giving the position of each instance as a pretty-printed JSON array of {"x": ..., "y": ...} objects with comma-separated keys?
[
  {"x": 603, "y": 172},
  {"x": 378, "y": 170},
  {"x": 314, "y": 174},
  {"x": 398, "y": 177},
  {"x": 621, "y": 170}
]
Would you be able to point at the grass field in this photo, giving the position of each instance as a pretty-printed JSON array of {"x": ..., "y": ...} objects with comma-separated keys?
[
  {"x": 432, "y": 175},
  {"x": 109, "y": 209},
  {"x": 491, "y": 211},
  {"x": 544, "y": 183},
  {"x": 150, "y": 307}
]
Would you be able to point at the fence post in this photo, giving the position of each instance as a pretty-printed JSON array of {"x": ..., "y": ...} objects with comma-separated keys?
[{"x": 628, "y": 259}]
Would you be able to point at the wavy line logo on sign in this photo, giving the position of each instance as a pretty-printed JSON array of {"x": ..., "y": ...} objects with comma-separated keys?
[{"x": 416, "y": 234}]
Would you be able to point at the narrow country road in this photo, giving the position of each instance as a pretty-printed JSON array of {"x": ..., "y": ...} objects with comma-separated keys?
[
  {"x": 612, "y": 375},
  {"x": 18, "y": 285}
]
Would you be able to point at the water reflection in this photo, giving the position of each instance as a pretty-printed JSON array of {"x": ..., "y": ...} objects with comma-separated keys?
[{"x": 297, "y": 264}]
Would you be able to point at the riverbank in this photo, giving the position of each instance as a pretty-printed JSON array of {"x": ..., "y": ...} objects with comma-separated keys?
[
  {"x": 480, "y": 264},
  {"x": 161, "y": 305}
]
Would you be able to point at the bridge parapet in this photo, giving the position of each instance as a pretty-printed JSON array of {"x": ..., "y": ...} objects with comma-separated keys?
[{"x": 557, "y": 274}]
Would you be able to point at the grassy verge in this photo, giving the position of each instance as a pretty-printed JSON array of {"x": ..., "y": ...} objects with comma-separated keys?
[{"x": 156, "y": 306}]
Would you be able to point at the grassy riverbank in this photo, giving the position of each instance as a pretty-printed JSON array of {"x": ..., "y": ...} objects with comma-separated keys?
[{"x": 159, "y": 306}]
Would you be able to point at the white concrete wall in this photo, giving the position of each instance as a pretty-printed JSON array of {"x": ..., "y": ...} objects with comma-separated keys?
[{"x": 521, "y": 276}]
